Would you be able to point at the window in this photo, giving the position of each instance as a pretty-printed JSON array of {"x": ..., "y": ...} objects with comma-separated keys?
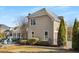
[
  {"x": 32, "y": 34},
  {"x": 46, "y": 34},
  {"x": 18, "y": 35},
  {"x": 33, "y": 22}
]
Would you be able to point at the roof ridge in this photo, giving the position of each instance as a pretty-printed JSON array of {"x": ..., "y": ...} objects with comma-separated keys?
[
  {"x": 43, "y": 9},
  {"x": 47, "y": 12}
]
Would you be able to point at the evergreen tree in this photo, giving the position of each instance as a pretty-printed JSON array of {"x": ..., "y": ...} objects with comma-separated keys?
[
  {"x": 75, "y": 36},
  {"x": 62, "y": 34}
]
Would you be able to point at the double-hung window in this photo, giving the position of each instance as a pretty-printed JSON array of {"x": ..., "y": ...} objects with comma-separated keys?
[
  {"x": 33, "y": 22},
  {"x": 46, "y": 34},
  {"x": 32, "y": 34}
]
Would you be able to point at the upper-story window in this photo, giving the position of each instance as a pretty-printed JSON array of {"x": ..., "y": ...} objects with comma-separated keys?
[{"x": 33, "y": 22}]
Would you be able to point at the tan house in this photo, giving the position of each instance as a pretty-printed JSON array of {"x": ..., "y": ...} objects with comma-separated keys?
[
  {"x": 3, "y": 28},
  {"x": 43, "y": 25},
  {"x": 17, "y": 32},
  {"x": 69, "y": 33}
]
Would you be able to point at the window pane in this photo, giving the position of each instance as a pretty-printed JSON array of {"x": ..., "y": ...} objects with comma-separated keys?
[
  {"x": 32, "y": 34},
  {"x": 33, "y": 22},
  {"x": 46, "y": 33}
]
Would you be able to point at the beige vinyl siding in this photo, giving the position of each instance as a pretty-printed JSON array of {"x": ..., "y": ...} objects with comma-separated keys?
[
  {"x": 55, "y": 32},
  {"x": 43, "y": 23}
]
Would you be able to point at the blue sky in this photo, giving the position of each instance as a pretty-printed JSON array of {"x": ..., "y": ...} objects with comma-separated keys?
[{"x": 10, "y": 14}]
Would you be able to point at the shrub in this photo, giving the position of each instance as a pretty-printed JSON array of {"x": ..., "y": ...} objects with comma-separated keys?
[
  {"x": 23, "y": 42},
  {"x": 15, "y": 40},
  {"x": 32, "y": 41},
  {"x": 2, "y": 36},
  {"x": 43, "y": 43},
  {"x": 1, "y": 44},
  {"x": 62, "y": 34},
  {"x": 75, "y": 36}
]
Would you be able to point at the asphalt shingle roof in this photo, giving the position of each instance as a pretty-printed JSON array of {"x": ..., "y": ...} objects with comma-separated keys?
[{"x": 44, "y": 11}]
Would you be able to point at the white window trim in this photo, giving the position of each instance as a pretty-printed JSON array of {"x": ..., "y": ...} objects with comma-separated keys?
[
  {"x": 32, "y": 22},
  {"x": 45, "y": 37},
  {"x": 55, "y": 31}
]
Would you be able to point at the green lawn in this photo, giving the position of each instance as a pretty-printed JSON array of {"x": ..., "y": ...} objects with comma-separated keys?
[
  {"x": 32, "y": 49},
  {"x": 23, "y": 49}
]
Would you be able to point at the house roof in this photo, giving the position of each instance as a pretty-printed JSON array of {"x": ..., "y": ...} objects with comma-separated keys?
[
  {"x": 4, "y": 26},
  {"x": 44, "y": 11}
]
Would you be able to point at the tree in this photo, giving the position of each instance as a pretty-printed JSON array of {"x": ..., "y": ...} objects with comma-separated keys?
[
  {"x": 23, "y": 30},
  {"x": 2, "y": 36},
  {"x": 75, "y": 36},
  {"x": 62, "y": 34},
  {"x": 23, "y": 27}
]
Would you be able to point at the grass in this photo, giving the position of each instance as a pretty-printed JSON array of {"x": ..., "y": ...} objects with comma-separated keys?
[
  {"x": 34, "y": 49},
  {"x": 22, "y": 49}
]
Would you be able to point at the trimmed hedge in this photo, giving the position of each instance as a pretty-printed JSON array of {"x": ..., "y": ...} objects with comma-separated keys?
[
  {"x": 15, "y": 40},
  {"x": 43, "y": 43},
  {"x": 32, "y": 41},
  {"x": 23, "y": 42}
]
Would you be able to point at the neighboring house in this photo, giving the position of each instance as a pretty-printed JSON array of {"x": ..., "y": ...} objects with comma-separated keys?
[
  {"x": 3, "y": 28},
  {"x": 17, "y": 33},
  {"x": 69, "y": 33},
  {"x": 44, "y": 25}
]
